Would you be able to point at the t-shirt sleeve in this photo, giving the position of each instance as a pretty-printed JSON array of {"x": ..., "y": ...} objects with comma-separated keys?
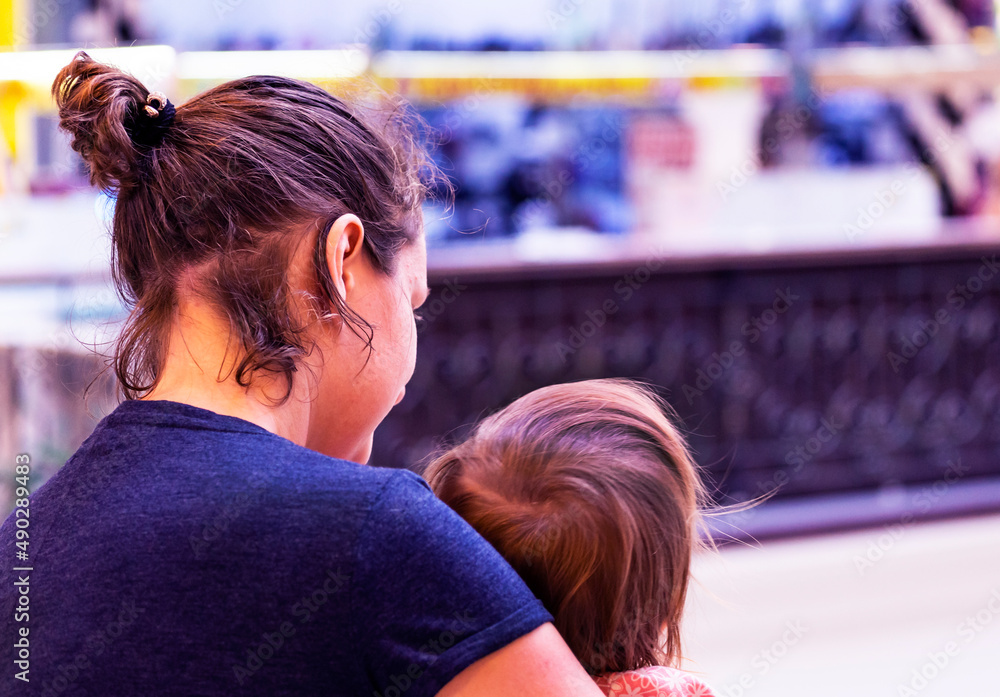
[{"x": 430, "y": 595}]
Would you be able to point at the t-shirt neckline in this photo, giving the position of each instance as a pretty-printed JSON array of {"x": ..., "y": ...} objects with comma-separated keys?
[{"x": 168, "y": 413}]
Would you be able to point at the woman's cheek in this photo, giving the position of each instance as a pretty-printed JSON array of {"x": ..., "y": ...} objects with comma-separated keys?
[{"x": 413, "y": 349}]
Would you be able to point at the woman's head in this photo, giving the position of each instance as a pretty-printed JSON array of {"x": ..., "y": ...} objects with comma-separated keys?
[
  {"x": 590, "y": 494},
  {"x": 249, "y": 178}
]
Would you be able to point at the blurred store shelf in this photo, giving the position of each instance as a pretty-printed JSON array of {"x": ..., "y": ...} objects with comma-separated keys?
[
  {"x": 557, "y": 65},
  {"x": 200, "y": 70},
  {"x": 907, "y": 69},
  {"x": 35, "y": 70},
  {"x": 552, "y": 74},
  {"x": 62, "y": 238},
  {"x": 911, "y": 67},
  {"x": 555, "y": 74},
  {"x": 561, "y": 75},
  {"x": 55, "y": 289},
  {"x": 49, "y": 239},
  {"x": 578, "y": 253}
]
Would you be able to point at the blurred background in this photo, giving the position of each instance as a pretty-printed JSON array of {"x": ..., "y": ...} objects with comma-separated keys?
[{"x": 783, "y": 214}]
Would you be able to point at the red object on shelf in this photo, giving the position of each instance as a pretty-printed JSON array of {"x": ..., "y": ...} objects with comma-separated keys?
[{"x": 661, "y": 141}]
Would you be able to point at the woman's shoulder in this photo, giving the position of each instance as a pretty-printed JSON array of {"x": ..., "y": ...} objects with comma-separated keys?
[
  {"x": 178, "y": 443},
  {"x": 653, "y": 681},
  {"x": 163, "y": 464}
]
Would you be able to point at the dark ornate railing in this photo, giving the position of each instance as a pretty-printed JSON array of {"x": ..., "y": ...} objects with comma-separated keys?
[{"x": 806, "y": 374}]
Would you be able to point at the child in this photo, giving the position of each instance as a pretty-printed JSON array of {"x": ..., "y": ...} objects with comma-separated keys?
[{"x": 589, "y": 493}]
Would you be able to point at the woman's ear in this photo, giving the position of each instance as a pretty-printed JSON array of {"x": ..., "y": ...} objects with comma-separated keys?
[{"x": 344, "y": 245}]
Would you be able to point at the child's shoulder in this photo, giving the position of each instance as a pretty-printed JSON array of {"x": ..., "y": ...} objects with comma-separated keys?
[{"x": 653, "y": 681}]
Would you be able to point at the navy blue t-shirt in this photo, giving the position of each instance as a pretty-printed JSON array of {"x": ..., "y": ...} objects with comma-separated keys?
[{"x": 184, "y": 552}]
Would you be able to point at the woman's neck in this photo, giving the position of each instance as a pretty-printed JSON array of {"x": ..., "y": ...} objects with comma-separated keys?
[{"x": 199, "y": 369}]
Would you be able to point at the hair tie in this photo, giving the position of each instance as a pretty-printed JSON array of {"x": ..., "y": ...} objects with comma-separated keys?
[{"x": 152, "y": 121}]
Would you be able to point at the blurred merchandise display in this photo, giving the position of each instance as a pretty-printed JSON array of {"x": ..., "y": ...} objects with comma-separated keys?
[
  {"x": 519, "y": 167},
  {"x": 695, "y": 150},
  {"x": 518, "y": 25}
]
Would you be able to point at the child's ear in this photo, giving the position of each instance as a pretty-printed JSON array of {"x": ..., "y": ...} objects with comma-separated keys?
[{"x": 344, "y": 250}]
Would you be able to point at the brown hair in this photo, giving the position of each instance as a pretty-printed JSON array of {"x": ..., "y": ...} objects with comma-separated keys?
[
  {"x": 589, "y": 492},
  {"x": 220, "y": 202}
]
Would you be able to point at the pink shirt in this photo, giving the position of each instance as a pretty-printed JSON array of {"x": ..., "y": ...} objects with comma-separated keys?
[{"x": 652, "y": 681}]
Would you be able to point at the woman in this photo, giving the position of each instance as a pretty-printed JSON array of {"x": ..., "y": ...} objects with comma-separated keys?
[{"x": 215, "y": 533}]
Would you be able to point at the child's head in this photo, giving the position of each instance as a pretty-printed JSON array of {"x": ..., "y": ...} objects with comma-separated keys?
[{"x": 588, "y": 491}]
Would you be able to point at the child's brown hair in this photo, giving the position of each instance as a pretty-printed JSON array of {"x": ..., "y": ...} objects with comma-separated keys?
[{"x": 588, "y": 490}]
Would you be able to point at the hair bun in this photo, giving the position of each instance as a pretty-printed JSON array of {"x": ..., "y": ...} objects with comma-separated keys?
[
  {"x": 151, "y": 122},
  {"x": 98, "y": 105}
]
